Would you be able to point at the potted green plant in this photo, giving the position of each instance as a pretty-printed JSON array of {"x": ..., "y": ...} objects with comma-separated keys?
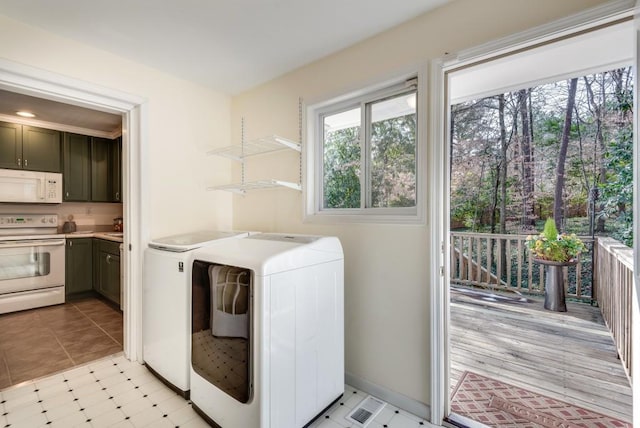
[{"x": 555, "y": 250}]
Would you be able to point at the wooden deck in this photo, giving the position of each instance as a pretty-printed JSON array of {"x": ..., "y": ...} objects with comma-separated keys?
[{"x": 568, "y": 356}]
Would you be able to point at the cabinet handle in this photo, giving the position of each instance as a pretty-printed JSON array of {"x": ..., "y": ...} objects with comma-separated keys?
[
  {"x": 67, "y": 194},
  {"x": 117, "y": 196},
  {"x": 71, "y": 243},
  {"x": 19, "y": 162},
  {"x": 109, "y": 258},
  {"x": 25, "y": 162}
]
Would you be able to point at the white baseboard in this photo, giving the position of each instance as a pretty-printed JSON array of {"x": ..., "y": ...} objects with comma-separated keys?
[{"x": 400, "y": 401}]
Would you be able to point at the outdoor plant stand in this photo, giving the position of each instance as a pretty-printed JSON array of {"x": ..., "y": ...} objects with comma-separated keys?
[
  {"x": 555, "y": 251},
  {"x": 554, "y": 284}
]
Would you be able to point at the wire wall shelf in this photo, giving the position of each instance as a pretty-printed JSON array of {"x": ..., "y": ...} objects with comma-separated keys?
[
  {"x": 264, "y": 145},
  {"x": 242, "y": 188}
]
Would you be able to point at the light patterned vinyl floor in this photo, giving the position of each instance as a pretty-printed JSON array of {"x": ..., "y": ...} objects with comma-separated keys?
[{"x": 115, "y": 392}]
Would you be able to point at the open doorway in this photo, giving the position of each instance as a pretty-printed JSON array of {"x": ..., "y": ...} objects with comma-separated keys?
[
  {"x": 509, "y": 354},
  {"x": 60, "y": 284},
  {"x": 40, "y": 84}
]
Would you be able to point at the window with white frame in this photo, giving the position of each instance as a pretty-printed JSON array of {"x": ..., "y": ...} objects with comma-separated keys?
[{"x": 366, "y": 154}]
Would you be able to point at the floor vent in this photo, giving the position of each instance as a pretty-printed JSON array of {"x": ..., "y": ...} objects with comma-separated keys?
[{"x": 365, "y": 412}]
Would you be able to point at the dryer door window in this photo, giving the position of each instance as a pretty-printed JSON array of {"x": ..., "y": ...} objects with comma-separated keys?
[{"x": 221, "y": 333}]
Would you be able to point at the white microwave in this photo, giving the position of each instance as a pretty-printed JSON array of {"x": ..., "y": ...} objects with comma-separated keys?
[{"x": 30, "y": 187}]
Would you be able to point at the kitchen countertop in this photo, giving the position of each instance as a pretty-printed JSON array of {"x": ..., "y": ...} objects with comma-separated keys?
[{"x": 108, "y": 235}]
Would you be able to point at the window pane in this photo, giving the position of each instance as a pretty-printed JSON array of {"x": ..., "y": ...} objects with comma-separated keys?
[
  {"x": 342, "y": 160},
  {"x": 393, "y": 152}
]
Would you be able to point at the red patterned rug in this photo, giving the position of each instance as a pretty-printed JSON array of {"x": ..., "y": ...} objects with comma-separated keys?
[{"x": 498, "y": 404}]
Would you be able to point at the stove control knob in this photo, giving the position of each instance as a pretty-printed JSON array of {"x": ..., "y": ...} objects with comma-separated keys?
[
  {"x": 52, "y": 220},
  {"x": 44, "y": 220}
]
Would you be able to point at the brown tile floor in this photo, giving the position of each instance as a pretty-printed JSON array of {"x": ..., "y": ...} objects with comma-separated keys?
[{"x": 43, "y": 341}]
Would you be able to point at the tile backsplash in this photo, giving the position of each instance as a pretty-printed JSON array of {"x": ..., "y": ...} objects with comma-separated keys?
[{"x": 87, "y": 215}]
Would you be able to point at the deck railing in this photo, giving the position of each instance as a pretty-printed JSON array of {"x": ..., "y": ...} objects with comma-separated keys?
[
  {"x": 614, "y": 276},
  {"x": 501, "y": 262}
]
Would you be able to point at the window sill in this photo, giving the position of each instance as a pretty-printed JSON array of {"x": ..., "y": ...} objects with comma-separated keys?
[{"x": 339, "y": 218}]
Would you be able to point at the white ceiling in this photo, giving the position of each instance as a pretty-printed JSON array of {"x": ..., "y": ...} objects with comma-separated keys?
[{"x": 229, "y": 45}]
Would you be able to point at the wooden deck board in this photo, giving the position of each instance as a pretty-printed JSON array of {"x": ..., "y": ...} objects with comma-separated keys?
[{"x": 568, "y": 356}]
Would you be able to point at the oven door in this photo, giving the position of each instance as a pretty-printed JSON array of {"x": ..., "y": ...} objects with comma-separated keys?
[{"x": 31, "y": 264}]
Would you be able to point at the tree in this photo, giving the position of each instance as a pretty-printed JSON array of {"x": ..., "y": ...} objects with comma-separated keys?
[
  {"x": 504, "y": 147},
  {"x": 562, "y": 156},
  {"x": 527, "y": 160},
  {"x": 475, "y": 159},
  {"x": 617, "y": 189},
  {"x": 598, "y": 111},
  {"x": 488, "y": 151},
  {"x": 393, "y": 156}
]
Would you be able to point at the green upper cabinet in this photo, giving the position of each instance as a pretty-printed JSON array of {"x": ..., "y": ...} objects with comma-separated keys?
[
  {"x": 100, "y": 169},
  {"x": 76, "y": 150},
  {"x": 41, "y": 149},
  {"x": 28, "y": 147},
  {"x": 116, "y": 170},
  {"x": 10, "y": 145},
  {"x": 92, "y": 168}
]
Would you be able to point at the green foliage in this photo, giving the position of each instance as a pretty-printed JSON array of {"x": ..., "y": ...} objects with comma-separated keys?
[
  {"x": 550, "y": 231},
  {"x": 342, "y": 169},
  {"x": 617, "y": 191},
  {"x": 545, "y": 205},
  {"x": 551, "y": 246},
  {"x": 470, "y": 203},
  {"x": 470, "y": 214},
  {"x": 393, "y": 165},
  {"x": 393, "y": 162}
]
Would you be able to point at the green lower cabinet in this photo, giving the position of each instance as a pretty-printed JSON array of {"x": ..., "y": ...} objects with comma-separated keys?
[
  {"x": 78, "y": 266},
  {"x": 106, "y": 273}
]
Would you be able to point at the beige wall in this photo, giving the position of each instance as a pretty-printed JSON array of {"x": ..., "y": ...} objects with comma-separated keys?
[
  {"x": 184, "y": 120},
  {"x": 386, "y": 266}
]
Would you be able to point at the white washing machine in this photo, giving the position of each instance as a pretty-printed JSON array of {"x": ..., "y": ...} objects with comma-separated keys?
[
  {"x": 166, "y": 304},
  {"x": 267, "y": 330}
]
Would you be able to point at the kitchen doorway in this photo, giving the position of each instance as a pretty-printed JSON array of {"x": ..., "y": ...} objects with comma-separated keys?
[{"x": 42, "y": 84}]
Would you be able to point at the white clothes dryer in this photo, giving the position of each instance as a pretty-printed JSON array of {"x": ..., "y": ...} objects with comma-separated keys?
[
  {"x": 166, "y": 304},
  {"x": 267, "y": 330}
]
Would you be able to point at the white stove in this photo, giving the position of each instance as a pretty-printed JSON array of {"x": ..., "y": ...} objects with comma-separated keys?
[{"x": 32, "y": 263}]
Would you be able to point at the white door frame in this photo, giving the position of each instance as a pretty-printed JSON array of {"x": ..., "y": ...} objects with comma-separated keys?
[
  {"x": 439, "y": 159},
  {"x": 44, "y": 84},
  {"x": 635, "y": 305}
]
